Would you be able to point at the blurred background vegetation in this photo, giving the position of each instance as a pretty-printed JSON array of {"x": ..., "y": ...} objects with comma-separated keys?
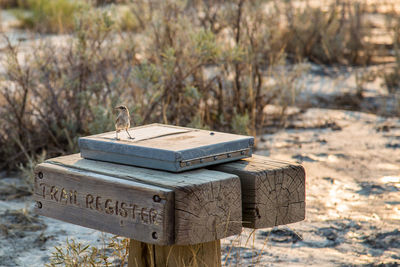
[{"x": 206, "y": 64}]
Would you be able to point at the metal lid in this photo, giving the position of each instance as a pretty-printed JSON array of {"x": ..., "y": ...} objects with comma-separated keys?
[{"x": 170, "y": 143}]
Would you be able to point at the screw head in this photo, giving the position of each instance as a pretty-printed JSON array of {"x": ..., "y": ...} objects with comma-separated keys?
[
  {"x": 229, "y": 155},
  {"x": 156, "y": 198},
  {"x": 215, "y": 157},
  {"x": 154, "y": 235}
]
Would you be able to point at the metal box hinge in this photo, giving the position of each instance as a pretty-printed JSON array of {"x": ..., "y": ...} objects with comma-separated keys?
[{"x": 215, "y": 157}]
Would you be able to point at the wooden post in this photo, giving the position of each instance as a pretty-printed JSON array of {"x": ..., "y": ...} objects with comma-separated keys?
[
  {"x": 199, "y": 255},
  {"x": 172, "y": 219}
]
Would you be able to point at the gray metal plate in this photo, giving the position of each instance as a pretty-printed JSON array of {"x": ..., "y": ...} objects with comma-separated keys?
[{"x": 167, "y": 147}]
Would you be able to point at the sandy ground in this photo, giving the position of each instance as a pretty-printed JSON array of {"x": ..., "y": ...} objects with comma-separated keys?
[{"x": 352, "y": 161}]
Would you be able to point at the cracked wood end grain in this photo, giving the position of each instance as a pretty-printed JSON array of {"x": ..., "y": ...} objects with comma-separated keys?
[
  {"x": 273, "y": 192},
  {"x": 208, "y": 211}
]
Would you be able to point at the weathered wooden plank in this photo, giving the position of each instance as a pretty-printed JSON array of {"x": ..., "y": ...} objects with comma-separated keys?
[
  {"x": 122, "y": 207},
  {"x": 273, "y": 192},
  {"x": 199, "y": 255},
  {"x": 138, "y": 174},
  {"x": 206, "y": 204}
]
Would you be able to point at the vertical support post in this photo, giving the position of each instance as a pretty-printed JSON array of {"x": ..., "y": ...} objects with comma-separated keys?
[{"x": 199, "y": 255}]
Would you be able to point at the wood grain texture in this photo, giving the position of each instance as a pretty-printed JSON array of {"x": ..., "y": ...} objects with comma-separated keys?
[
  {"x": 207, "y": 211},
  {"x": 199, "y": 255},
  {"x": 273, "y": 192},
  {"x": 105, "y": 203},
  {"x": 206, "y": 204}
]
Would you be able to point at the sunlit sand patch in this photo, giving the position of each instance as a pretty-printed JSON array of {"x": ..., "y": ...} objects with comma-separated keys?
[
  {"x": 322, "y": 157},
  {"x": 392, "y": 179},
  {"x": 388, "y": 166},
  {"x": 333, "y": 158},
  {"x": 367, "y": 217},
  {"x": 396, "y": 214},
  {"x": 338, "y": 199}
]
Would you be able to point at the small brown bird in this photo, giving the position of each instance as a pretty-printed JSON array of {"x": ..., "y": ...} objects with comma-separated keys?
[{"x": 123, "y": 121}]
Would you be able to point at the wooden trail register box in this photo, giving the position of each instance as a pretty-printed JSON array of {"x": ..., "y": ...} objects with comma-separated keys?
[
  {"x": 166, "y": 214},
  {"x": 147, "y": 205}
]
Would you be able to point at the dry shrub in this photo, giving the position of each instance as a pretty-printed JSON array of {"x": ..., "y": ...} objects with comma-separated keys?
[
  {"x": 78, "y": 254},
  {"x": 60, "y": 91},
  {"x": 114, "y": 252},
  {"x": 49, "y": 16},
  {"x": 186, "y": 67},
  {"x": 392, "y": 76},
  {"x": 13, "y": 223},
  {"x": 335, "y": 34},
  {"x": 107, "y": 2},
  {"x": 9, "y": 3},
  {"x": 211, "y": 61}
]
